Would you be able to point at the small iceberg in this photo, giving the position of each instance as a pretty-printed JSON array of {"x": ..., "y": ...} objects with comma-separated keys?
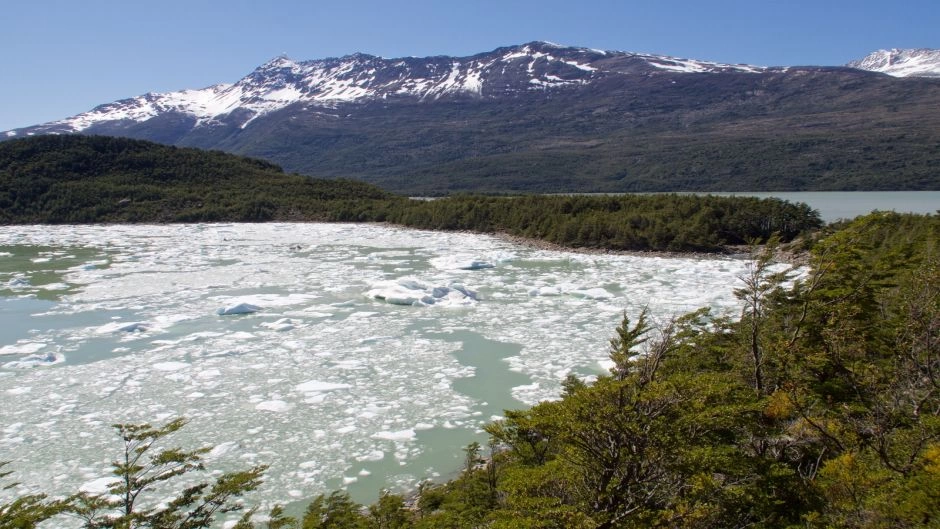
[
  {"x": 116, "y": 327},
  {"x": 408, "y": 291},
  {"x": 239, "y": 308},
  {"x": 36, "y": 360},
  {"x": 592, "y": 293},
  {"x": 281, "y": 325}
]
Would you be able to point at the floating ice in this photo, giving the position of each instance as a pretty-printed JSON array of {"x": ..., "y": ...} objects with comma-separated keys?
[
  {"x": 314, "y": 386},
  {"x": 401, "y": 435},
  {"x": 283, "y": 324},
  {"x": 36, "y": 360},
  {"x": 276, "y": 406},
  {"x": 238, "y": 308},
  {"x": 113, "y": 327},
  {"x": 22, "y": 348},
  {"x": 409, "y": 291},
  {"x": 592, "y": 293},
  {"x": 18, "y": 282},
  {"x": 351, "y": 384},
  {"x": 97, "y": 487},
  {"x": 170, "y": 366},
  {"x": 545, "y": 291}
]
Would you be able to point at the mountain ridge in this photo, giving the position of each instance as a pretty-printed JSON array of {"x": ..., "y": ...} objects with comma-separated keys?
[
  {"x": 919, "y": 62},
  {"x": 281, "y": 81},
  {"x": 540, "y": 117}
]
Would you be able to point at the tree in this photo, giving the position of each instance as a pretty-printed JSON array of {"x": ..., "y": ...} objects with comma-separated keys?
[
  {"x": 143, "y": 467},
  {"x": 760, "y": 280},
  {"x": 26, "y": 511}
]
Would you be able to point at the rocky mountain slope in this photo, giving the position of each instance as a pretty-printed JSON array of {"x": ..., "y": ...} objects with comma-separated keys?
[
  {"x": 542, "y": 117},
  {"x": 902, "y": 63}
]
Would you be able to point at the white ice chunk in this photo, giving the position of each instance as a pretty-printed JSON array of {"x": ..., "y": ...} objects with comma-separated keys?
[
  {"x": 117, "y": 326},
  {"x": 238, "y": 308},
  {"x": 401, "y": 435},
  {"x": 409, "y": 291},
  {"x": 22, "y": 348},
  {"x": 374, "y": 455},
  {"x": 314, "y": 386},
  {"x": 170, "y": 366},
  {"x": 592, "y": 293},
  {"x": 276, "y": 406},
  {"x": 98, "y": 487},
  {"x": 545, "y": 291},
  {"x": 283, "y": 324},
  {"x": 36, "y": 360}
]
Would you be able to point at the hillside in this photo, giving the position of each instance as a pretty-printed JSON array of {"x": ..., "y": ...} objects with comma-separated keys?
[
  {"x": 82, "y": 179},
  {"x": 545, "y": 118},
  {"x": 95, "y": 179}
]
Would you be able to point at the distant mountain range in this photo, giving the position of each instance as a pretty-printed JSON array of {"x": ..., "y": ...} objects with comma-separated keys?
[{"x": 543, "y": 117}]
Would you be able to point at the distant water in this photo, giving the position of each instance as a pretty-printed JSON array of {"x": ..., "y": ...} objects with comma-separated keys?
[{"x": 835, "y": 205}]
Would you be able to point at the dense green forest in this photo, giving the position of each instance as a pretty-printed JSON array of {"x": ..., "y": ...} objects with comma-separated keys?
[
  {"x": 95, "y": 179},
  {"x": 817, "y": 407}
]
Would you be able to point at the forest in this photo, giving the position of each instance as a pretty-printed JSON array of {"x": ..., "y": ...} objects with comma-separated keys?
[
  {"x": 818, "y": 406},
  {"x": 97, "y": 179}
]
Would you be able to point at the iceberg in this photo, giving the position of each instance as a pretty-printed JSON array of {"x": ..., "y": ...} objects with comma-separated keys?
[
  {"x": 592, "y": 293},
  {"x": 283, "y": 324},
  {"x": 399, "y": 436},
  {"x": 36, "y": 360},
  {"x": 238, "y": 308},
  {"x": 113, "y": 327},
  {"x": 408, "y": 291}
]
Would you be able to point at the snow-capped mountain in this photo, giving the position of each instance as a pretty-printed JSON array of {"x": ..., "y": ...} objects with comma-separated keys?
[
  {"x": 281, "y": 82},
  {"x": 539, "y": 117},
  {"x": 921, "y": 62}
]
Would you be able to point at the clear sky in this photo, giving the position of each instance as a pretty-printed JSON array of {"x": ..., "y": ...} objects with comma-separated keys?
[{"x": 62, "y": 57}]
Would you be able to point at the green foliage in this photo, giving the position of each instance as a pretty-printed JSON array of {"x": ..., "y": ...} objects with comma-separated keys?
[
  {"x": 677, "y": 223},
  {"x": 818, "y": 408},
  {"x": 146, "y": 468},
  {"x": 26, "y": 511},
  {"x": 816, "y": 129},
  {"x": 80, "y": 179}
]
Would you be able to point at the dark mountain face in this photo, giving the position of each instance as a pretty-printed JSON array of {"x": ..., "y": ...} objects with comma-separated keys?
[{"x": 545, "y": 118}]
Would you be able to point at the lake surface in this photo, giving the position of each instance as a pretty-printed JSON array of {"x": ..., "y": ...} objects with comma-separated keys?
[
  {"x": 328, "y": 383},
  {"x": 835, "y": 205}
]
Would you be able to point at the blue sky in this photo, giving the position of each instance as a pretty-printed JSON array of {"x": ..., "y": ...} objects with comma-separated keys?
[{"x": 63, "y": 57}]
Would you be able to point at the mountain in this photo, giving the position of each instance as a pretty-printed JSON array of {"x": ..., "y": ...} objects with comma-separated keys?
[
  {"x": 548, "y": 118},
  {"x": 362, "y": 78},
  {"x": 902, "y": 63}
]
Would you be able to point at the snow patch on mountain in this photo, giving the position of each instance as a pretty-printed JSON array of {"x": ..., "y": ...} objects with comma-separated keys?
[
  {"x": 358, "y": 78},
  {"x": 921, "y": 62}
]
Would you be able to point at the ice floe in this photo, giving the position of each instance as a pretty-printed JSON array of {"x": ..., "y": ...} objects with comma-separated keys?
[
  {"x": 410, "y": 291},
  {"x": 330, "y": 379},
  {"x": 118, "y": 327},
  {"x": 22, "y": 348},
  {"x": 316, "y": 386},
  {"x": 238, "y": 308}
]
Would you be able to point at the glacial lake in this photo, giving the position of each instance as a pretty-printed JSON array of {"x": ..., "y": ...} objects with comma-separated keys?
[
  {"x": 375, "y": 354},
  {"x": 835, "y": 205}
]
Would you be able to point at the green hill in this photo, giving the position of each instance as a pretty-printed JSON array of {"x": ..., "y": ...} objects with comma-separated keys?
[
  {"x": 97, "y": 179},
  {"x": 81, "y": 179}
]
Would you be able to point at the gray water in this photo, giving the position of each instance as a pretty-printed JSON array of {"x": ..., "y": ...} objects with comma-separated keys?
[{"x": 836, "y": 205}]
